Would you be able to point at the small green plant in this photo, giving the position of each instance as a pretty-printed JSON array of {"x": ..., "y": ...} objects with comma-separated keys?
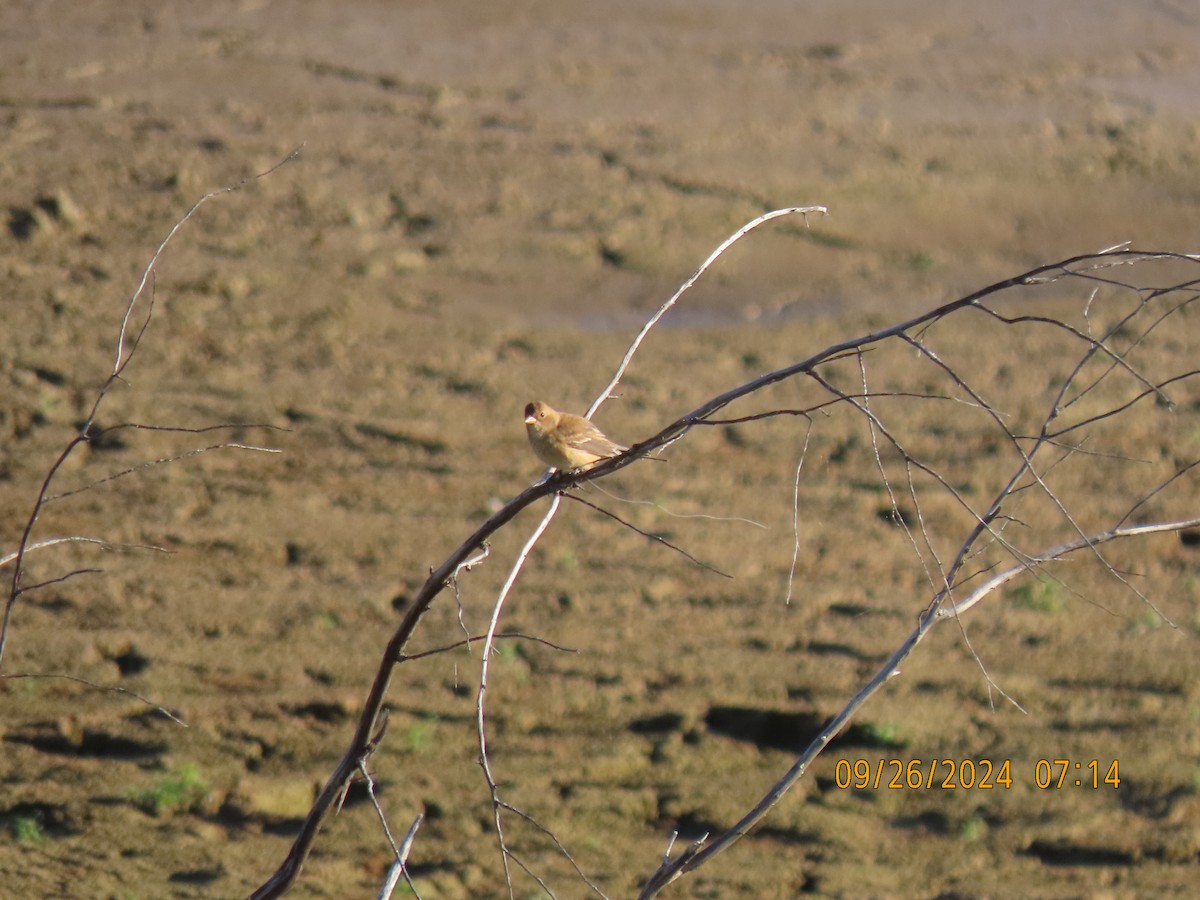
[
  {"x": 1146, "y": 620},
  {"x": 327, "y": 621},
  {"x": 419, "y": 736},
  {"x": 973, "y": 829},
  {"x": 27, "y": 829},
  {"x": 1041, "y": 596},
  {"x": 884, "y": 734},
  {"x": 513, "y": 661},
  {"x": 181, "y": 790},
  {"x": 920, "y": 262}
]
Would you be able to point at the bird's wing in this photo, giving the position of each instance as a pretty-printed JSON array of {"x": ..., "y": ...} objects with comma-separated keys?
[{"x": 591, "y": 439}]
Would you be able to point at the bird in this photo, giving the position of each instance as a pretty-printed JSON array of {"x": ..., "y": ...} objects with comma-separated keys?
[{"x": 567, "y": 442}]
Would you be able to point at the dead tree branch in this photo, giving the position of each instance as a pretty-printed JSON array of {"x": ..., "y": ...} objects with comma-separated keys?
[
  {"x": 989, "y": 543},
  {"x": 135, "y": 322}
]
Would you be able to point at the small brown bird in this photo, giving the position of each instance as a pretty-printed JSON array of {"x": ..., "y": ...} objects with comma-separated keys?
[{"x": 566, "y": 442}]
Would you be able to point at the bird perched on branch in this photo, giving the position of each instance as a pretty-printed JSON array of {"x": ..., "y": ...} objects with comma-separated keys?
[{"x": 566, "y": 442}]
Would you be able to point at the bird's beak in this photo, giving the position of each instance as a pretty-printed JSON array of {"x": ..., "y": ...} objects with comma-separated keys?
[{"x": 530, "y": 419}]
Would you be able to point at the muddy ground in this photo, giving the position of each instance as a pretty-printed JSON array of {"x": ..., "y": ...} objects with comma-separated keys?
[{"x": 488, "y": 201}]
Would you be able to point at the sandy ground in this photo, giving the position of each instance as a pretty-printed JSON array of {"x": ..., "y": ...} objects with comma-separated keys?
[{"x": 488, "y": 200}]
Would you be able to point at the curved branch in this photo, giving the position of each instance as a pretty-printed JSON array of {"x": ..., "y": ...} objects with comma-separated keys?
[
  {"x": 1079, "y": 266},
  {"x": 937, "y": 611}
]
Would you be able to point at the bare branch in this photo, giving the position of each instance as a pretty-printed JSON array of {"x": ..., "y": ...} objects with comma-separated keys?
[
  {"x": 149, "y": 464},
  {"x": 632, "y": 453},
  {"x": 124, "y": 356},
  {"x": 795, "y": 520},
  {"x": 54, "y": 542},
  {"x": 1088, "y": 542},
  {"x": 399, "y": 867},
  {"x": 671, "y": 871},
  {"x": 646, "y": 534},
  {"x": 501, "y": 635},
  {"x": 687, "y": 285},
  {"x": 110, "y": 688},
  {"x": 990, "y": 546},
  {"x": 481, "y": 695}
]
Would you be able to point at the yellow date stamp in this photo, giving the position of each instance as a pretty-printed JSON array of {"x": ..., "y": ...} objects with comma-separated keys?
[
  {"x": 1057, "y": 774},
  {"x": 973, "y": 774},
  {"x": 923, "y": 774}
]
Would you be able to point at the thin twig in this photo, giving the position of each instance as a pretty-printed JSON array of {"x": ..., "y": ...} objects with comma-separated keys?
[
  {"x": 481, "y": 695},
  {"x": 151, "y": 463},
  {"x": 77, "y": 539},
  {"x": 122, "y": 360},
  {"x": 1088, "y": 542},
  {"x": 110, "y": 688},
  {"x": 795, "y": 518},
  {"x": 559, "y": 845},
  {"x": 647, "y": 534},
  {"x": 399, "y": 866},
  {"x": 687, "y": 285},
  {"x": 708, "y": 517},
  {"x": 500, "y": 635}
]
